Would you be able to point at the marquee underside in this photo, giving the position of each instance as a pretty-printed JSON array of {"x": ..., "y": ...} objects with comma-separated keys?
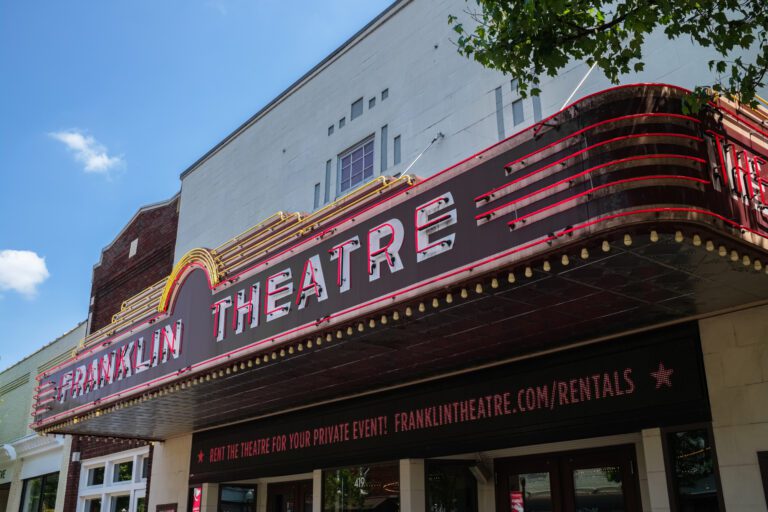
[{"x": 592, "y": 294}]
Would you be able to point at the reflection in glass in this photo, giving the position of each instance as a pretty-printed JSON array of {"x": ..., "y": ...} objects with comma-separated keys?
[
  {"x": 598, "y": 489},
  {"x": 123, "y": 471},
  {"x": 693, "y": 470},
  {"x": 534, "y": 490},
  {"x": 362, "y": 488},
  {"x": 48, "y": 495},
  {"x": 32, "y": 487},
  {"x": 121, "y": 503},
  {"x": 237, "y": 499},
  {"x": 451, "y": 488},
  {"x": 96, "y": 476},
  {"x": 93, "y": 505},
  {"x": 141, "y": 505}
]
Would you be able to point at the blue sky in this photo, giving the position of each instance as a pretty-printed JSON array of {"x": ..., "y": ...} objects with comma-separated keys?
[{"x": 104, "y": 104}]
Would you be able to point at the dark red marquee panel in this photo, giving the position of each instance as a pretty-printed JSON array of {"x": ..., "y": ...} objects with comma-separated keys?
[{"x": 623, "y": 157}]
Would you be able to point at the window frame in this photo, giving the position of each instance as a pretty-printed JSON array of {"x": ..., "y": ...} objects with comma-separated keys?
[
  {"x": 24, "y": 488},
  {"x": 134, "y": 488},
  {"x": 370, "y": 139},
  {"x": 674, "y": 506}
]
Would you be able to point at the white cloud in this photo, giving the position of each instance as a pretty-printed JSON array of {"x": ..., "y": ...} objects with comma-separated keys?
[
  {"x": 88, "y": 151},
  {"x": 22, "y": 271}
]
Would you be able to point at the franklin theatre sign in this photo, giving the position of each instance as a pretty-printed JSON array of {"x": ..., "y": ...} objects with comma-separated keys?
[{"x": 625, "y": 156}]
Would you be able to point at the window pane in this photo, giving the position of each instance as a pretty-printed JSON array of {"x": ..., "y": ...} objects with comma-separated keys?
[
  {"x": 93, "y": 505},
  {"x": 356, "y": 165},
  {"x": 530, "y": 492},
  {"x": 123, "y": 471},
  {"x": 693, "y": 470},
  {"x": 237, "y": 499},
  {"x": 517, "y": 112},
  {"x": 141, "y": 505},
  {"x": 50, "y": 486},
  {"x": 32, "y": 488},
  {"x": 362, "y": 488},
  {"x": 120, "y": 503},
  {"x": 451, "y": 488},
  {"x": 598, "y": 489},
  {"x": 96, "y": 476},
  {"x": 357, "y": 109},
  {"x": 145, "y": 467},
  {"x": 397, "y": 150}
]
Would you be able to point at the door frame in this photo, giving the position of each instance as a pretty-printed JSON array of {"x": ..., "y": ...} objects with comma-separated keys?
[{"x": 559, "y": 465}]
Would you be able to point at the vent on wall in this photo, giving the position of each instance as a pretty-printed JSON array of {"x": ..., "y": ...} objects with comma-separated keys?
[{"x": 16, "y": 383}]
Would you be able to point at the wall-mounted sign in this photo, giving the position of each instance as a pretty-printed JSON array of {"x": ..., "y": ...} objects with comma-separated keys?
[
  {"x": 167, "y": 507},
  {"x": 619, "y": 156},
  {"x": 654, "y": 379},
  {"x": 197, "y": 498}
]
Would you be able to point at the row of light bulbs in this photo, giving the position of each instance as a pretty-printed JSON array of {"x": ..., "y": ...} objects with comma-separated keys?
[{"x": 395, "y": 315}]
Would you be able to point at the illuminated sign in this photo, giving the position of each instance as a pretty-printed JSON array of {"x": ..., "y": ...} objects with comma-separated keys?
[{"x": 623, "y": 156}]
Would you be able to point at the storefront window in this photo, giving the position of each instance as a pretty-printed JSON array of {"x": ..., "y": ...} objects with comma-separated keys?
[
  {"x": 362, "y": 488},
  {"x": 693, "y": 471},
  {"x": 235, "y": 498},
  {"x": 451, "y": 487},
  {"x": 40, "y": 493}
]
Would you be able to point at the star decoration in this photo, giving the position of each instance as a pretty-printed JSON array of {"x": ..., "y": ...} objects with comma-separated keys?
[
  {"x": 662, "y": 376},
  {"x": 200, "y": 457}
]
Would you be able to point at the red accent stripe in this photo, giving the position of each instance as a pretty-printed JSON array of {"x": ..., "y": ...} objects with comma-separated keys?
[
  {"x": 489, "y": 213},
  {"x": 581, "y": 151},
  {"x": 604, "y": 186}
]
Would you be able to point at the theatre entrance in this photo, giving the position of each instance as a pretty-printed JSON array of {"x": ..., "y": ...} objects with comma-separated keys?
[
  {"x": 294, "y": 496},
  {"x": 602, "y": 480}
]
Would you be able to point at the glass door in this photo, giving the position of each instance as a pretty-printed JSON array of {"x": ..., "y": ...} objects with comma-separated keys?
[
  {"x": 295, "y": 496},
  {"x": 600, "y": 480}
]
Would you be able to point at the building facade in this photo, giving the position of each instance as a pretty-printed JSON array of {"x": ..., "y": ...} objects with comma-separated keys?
[
  {"x": 496, "y": 304},
  {"x": 32, "y": 467}
]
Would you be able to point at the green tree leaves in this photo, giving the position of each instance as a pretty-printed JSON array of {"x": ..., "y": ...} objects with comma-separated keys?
[{"x": 531, "y": 38}]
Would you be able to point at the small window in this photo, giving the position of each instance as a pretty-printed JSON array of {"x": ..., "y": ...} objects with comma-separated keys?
[
  {"x": 357, "y": 110},
  {"x": 96, "y": 476},
  {"x": 371, "y": 103},
  {"x": 123, "y": 472},
  {"x": 342, "y": 122},
  {"x": 327, "y": 196},
  {"x": 515, "y": 86},
  {"x": 384, "y": 138},
  {"x": 141, "y": 504},
  {"x": 517, "y": 112},
  {"x": 144, "y": 468},
  {"x": 384, "y": 94},
  {"x": 330, "y": 130},
  {"x": 356, "y": 166},
  {"x": 316, "y": 203},
  {"x": 397, "y": 150},
  {"x": 536, "y": 109},
  {"x": 134, "y": 247}
]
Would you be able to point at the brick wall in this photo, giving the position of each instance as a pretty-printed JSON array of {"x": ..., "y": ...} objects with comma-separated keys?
[
  {"x": 90, "y": 447},
  {"x": 117, "y": 276}
]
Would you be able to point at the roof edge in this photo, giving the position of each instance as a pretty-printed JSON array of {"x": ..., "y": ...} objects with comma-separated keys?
[{"x": 387, "y": 13}]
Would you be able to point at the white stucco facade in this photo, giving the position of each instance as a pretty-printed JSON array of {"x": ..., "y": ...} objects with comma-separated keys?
[{"x": 275, "y": 160}]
